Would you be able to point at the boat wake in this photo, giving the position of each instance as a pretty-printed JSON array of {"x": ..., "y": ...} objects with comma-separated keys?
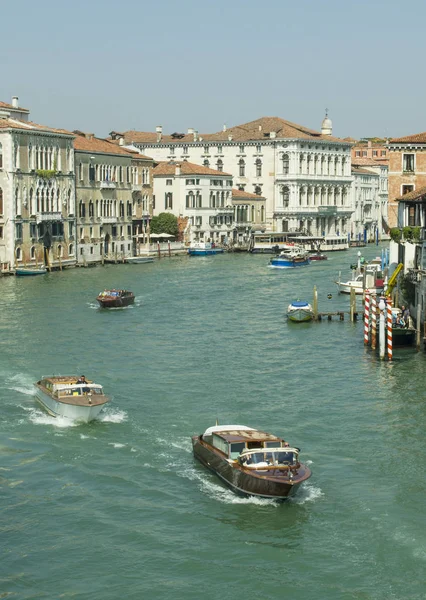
[
  {"x": 306, "y": 493},
  {"x": 38, "y": 417},
  {"x": 112, "y": 416},
  {"x": 21, "y": 383}
]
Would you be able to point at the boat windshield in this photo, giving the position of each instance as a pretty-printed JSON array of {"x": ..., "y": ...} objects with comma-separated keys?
[
  {"x": 279, "y": 457},
  {"x": 78, "y": 390}
]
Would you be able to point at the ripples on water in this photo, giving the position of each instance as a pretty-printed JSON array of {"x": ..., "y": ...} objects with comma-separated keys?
[{"x": 118, "y": 507}]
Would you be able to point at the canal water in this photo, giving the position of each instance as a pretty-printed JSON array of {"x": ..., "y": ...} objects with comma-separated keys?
[{"x": 119, "y": 509}]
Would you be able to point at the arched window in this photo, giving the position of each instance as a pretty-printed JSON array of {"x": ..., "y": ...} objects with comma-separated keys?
[
  {"x": 17, "y": 206},
  {"x": 219, "y": 165},
  {"x": 286, "y": 164},
  {"x": 1, "y": 156},
  {"x": 258, "y": 168},
  {"x": 58, "y": 200},
  {"x": 60, "y": 251},
  {"x": 31, "y": 205},
  {"x": 1, "y": 201},
  {"x": 32, "y": 253},
  {"x": 206, "y": 163},
  {"x": 242, "y": 166},
  {"x": 91, "y": 212},
  {"x": 18, "y": 254},
  {"x": 285, "y": 191},
  {"x": 71, "y": 249},
  {"x": 252, "y": 213},
  {"x": 258, "y": 190}
]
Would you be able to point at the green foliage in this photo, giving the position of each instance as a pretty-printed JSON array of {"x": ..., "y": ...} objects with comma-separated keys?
[
  {"x": 411, "y": 234},
  {"x": 395, "y": 234},
  {"x": 164, "y": 223},
  {"x": 46, "y": 173},
  {"x": 408, "y": 289}
]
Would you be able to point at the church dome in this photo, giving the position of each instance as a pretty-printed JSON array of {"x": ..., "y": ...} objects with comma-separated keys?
[{"x": 326, "y": 125}]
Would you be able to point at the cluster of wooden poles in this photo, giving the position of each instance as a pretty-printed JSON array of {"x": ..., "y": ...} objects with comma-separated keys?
[{"x": 382, "y": 308}]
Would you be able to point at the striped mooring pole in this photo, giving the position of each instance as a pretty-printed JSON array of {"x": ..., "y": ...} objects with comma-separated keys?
[
  {"x": 366, "y": 316},
  {"x": 389, "y": 326},
  {"x": 373, "y": 320}
]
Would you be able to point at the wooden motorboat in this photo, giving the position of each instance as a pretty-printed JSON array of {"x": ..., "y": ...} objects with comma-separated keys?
[
  {"x": 251, "y": 462},
  {"x": 62, "y": 396},
  {"x": 139, "y": 260},
  {"x": 300, "y": 311},
  {"x": 29, "y": 271},
  {"x": 115, "y": 298}
]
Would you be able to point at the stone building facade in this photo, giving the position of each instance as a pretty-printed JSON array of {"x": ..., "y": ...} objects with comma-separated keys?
[
  {"x": 113, "y": 198},
  {"x": 407, "y": 170},
  {"x": 37, "y": 192},
  {"x": 304, "y": 176}
]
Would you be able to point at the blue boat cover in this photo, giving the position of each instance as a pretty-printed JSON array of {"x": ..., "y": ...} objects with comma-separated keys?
[{"x": 299, "y": 304}]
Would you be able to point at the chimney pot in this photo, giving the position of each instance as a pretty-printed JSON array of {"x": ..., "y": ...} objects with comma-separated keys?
[
  {"x": 159, "y": 130},
  {"x": 224, "y": 127},
  {"x": 15, "y": 101}
]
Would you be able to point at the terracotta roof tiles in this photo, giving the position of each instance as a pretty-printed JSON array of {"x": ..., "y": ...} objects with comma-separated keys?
[
  {"x": 241, "y": 195},
  {"x": 94, "y": 144},
  {"x": 10, "y": 106},
  {"x": 417, "y": 138},
  {"x": 419, "y": 194},
  {"x": 11, "y": 123}
]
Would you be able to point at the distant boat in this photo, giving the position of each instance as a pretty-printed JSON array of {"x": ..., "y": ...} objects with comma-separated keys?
[
  {"x": 203, "y": 249},
  {"x": 300, "y": 311},
  {"x": 345, "y": 287},
  {"x": 290, "y": 258},
  {"x": 28, "y": 271},
  {"x": 137, "y": 260},
  {"x": 251, "y": 462},
  {"x": 318, "y": 256},
  {"x": 62, "y": 396},
  {"x": 115, "y": 298}
]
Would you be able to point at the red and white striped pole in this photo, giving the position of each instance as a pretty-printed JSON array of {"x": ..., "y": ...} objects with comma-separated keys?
[
  {"x": 366, "y": 316},
  {"x": 373, "y": 320},
  {"x": 389, "y": 327}
]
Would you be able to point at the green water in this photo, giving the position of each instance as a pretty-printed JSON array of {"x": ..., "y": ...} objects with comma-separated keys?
[{"x": 118, "y": 508}]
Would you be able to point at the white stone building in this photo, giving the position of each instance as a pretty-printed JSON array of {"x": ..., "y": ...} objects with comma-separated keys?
[
  {"x": 369, "y": 200},
  {"x": 37, "y": 194},
  {"x": 198, "y": 193},
  {"x": 305, "y": 176}
]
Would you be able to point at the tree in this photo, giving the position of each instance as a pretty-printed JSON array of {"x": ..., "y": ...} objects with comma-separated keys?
[{"x": 164, "y": 223}]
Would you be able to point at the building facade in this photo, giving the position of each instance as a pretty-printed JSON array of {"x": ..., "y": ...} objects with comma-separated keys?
[
  {"x": 113, "y": 199},
  {"x": 304, "y": 176},
  {"x": 407, "y": 170},
  {"x": 369, "y": 220},
  {"x": 249, "y": 215},
  {"x": 37, "y": 193},
  {"x": 198, "y": 193}
]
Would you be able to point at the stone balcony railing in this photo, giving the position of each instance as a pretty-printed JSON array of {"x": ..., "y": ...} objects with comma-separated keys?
[
  {"x": 109, "y": 219},
  {"x": 49, "y": 216},
  {"x": 107, "y": 185},
  {"x": 136, "y": 187},
  {"x": 319, "y": 210}
]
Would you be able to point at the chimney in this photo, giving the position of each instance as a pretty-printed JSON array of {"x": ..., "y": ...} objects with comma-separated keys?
[
  {"x": 190, "y": 130},
  {"x": 260, "y": 127},
  {"x": 121, "y": 141},
  {"x": 224, "y": 127},
  {"x": 15, "y": 101},
  {"x": 177, "y": 170},
  {"x": 272, "y": 135},
  {"x": 195, "y": 135},
  {"x": 230, "y": 137},
  {"x": 89, "y": 136},
  {"x": 159, "y": 130}
]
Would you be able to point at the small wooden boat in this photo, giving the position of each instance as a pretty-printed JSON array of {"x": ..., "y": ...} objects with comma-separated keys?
[
  {"x": 29, "y": 271},
  {"x": 139, "y": 260},
  {"x": 251, "y": 462},
  {"x": 300, "y": 311},
  {"x": 318, "y": 256},
  {"x": 290, "y": 258},
  {"x": 62, "y": 396},
  {"x": 204, "y": 249},
  {"x": 115, "y": 298}
]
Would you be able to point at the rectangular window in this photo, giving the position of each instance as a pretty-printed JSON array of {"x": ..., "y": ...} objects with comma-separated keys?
[
  {"x": 18, "y": 231},
  {"x": 364, "y": 152},
  {"x": 406, "y": 189},
  {"x": 383, "y": 153},
  {"x": 408, "y": 163},
  {"x": 33, "y": 230},
  {"x": 169, "y": 182},
  {"x": 70, "y": 229},
  {"x": 411, "y": 216},
  {"x": 357, "y": 153},
  {"x": 374, "y": 152},
  {"x": 1, "y": 232}
]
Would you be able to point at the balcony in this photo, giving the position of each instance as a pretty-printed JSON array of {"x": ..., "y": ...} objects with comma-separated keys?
[
  {"x": 108, "y": 185},
  {"x": 48, "y": 216},
  {"x": 109, "y": 219},
  {"x": 136, "y": 187}
]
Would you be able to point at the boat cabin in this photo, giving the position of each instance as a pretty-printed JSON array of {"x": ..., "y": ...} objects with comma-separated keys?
[
  {"x": 63, "y": 387},
  {"x": 242, "y": 443}
]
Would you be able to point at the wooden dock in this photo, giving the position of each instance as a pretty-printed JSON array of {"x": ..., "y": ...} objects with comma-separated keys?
[{"x": 328, "y": 316}]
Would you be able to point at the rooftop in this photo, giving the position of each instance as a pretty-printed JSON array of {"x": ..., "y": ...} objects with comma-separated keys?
[
  {"x": 186, "y": 168},
  {"x": 417, "y": 195},
  {"x": 417, "y": 138},
  {"x": 12, "y": 123},
  {"x": 241, "y": 194}
]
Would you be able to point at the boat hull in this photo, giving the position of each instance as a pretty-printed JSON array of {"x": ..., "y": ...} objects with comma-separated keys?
[
  {"x": 402, "y": 336},
  {"x": 285, "y": 263},
  {"x": 115, "y": 302},
  {"x": 139, "y": 260},
  {"x": 29, "y": 272},
  {"x": 204, "y": 251},
  {"x": 84, "y": 414},
  {"x": 300, "y": 315},
  {"x": 244, "y": 482}
]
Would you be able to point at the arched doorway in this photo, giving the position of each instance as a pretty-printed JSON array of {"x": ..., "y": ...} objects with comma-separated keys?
[{"x": 106, "y": 244}]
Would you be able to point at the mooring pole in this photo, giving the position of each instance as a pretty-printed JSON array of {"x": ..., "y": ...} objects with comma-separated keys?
[
  {"x": 373, "y": 320},
  {"x": 382, "y": 342},
  {"x": 353, "y": 304},
  {"x": 389, "y": 327},
  {"x": 366, "y": 316},
  {"x": 418, "y": 318},
  {"x": 315, "y": 303}
]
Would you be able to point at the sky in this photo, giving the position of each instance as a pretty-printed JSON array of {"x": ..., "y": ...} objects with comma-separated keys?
[{"x": 135, "y": 64}]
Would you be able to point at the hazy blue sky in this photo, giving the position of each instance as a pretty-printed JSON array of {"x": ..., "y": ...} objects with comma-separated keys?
[{"x": 99, "y": 66}]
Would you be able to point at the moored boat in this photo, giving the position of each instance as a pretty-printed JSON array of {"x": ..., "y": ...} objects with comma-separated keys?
[
  {"x": 290, "y": 258},
  {"x": 64, "y": 396},
  {"x": 251, "y": 462},
  {"x": 300, "y": 311},
  {"x": 29, "y": 271},
  {"x": 115, "y": 298},
  {"x": 138, "y": 260},
  {"x": 318, "y": 256},
  {"x": 204, "y": 249}
]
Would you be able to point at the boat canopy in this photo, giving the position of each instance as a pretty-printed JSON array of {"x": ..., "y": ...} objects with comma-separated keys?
[
  {"x": 299, "y": 304},
  {"x": 268, "y": 457},
  {"x": 216, "y": 428}
]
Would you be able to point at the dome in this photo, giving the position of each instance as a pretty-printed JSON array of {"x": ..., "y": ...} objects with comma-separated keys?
[{"x": 326, "y": 125}]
